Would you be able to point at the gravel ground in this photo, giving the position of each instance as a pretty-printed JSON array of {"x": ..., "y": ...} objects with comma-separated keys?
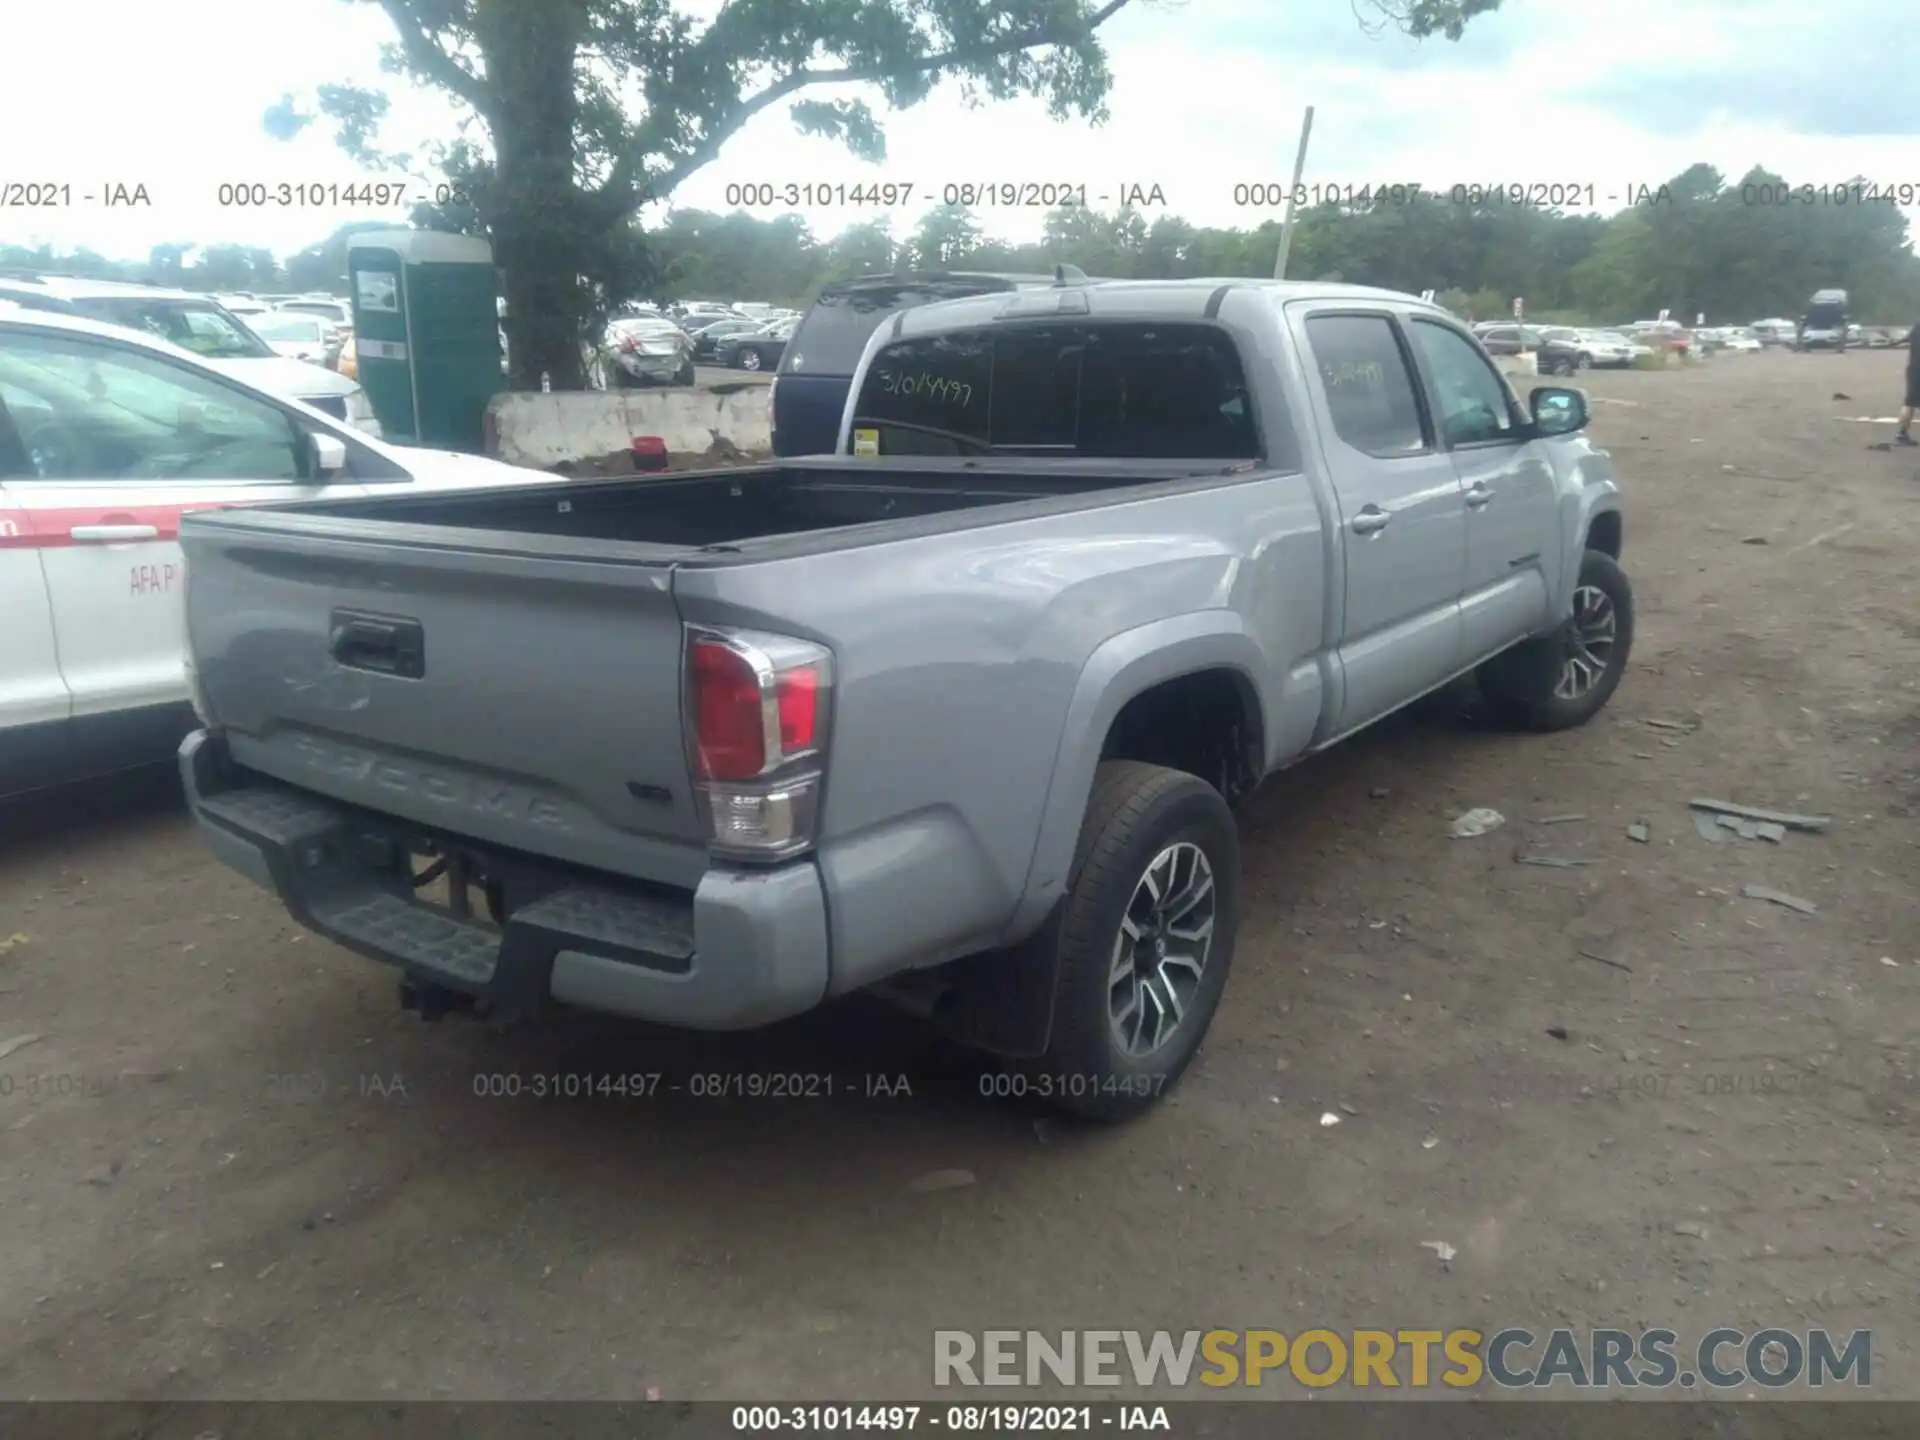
[{"x": 1624, "y": 1093}]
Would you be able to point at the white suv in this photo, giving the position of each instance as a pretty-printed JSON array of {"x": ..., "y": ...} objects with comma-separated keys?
[
  {"x": 107, "y": 437},
  {"x": 201, "y": 325}
]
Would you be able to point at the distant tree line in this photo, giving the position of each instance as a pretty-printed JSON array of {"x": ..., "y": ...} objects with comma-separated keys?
[{"x": 1735, "y": 251}]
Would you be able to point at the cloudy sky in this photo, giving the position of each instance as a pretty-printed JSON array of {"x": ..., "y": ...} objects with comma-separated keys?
[{"x": 1207, "y": 95}]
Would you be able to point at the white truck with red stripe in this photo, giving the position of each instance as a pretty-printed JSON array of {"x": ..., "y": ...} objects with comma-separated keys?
[{"x": 107, "y": 437}]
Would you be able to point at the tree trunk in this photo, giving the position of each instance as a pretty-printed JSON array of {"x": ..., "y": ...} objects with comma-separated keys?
[{"x": 534, "y": 200}]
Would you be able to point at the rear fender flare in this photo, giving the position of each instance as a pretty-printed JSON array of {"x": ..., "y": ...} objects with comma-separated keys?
[{"x": 1121, "y": 668}]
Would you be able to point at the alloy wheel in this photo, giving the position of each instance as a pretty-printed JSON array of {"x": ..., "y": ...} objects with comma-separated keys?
[{"x": 1160, "y": 951}]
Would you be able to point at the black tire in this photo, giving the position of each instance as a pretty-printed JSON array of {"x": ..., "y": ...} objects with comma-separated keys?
[
  {"x": 1521, "y": 683},
  {"x": 1583, "y": 362},
  {"x": 1137, "y": 813},
  {"x": 686, "y": 375}
]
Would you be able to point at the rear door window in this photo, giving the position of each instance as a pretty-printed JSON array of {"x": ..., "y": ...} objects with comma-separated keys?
[
  {"x": 1114, "y": 390},
  {"x": 1368, "y": 384}
]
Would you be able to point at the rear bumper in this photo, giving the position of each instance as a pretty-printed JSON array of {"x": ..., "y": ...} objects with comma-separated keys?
[
  {"x": 746, "y": 948},
  {"x": 651, "y": 367}
]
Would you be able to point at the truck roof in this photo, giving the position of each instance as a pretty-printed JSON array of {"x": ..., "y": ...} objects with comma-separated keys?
[{"x": 1196, "y": 298}]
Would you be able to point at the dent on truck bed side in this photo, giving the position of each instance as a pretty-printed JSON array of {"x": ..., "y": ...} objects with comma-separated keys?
[{"x": 958, "y": 660}]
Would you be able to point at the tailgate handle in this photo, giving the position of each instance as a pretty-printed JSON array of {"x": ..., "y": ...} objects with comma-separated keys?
[{"x": 384, "y": 644}]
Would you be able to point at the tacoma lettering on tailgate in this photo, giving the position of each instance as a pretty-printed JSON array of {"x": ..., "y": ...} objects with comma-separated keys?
[{"x": 477, "y": 794}]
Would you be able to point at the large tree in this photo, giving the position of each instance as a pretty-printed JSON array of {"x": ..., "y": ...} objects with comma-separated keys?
[{"x": 589, "y": 109}]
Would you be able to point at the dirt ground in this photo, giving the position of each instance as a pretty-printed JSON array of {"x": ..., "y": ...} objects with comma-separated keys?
[{"x": 1621, "y": 1091}]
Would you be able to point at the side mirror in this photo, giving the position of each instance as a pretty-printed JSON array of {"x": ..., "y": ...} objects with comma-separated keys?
[
  {"x": 328, "y": 454},
  {"x": 1557, "y": 410}
]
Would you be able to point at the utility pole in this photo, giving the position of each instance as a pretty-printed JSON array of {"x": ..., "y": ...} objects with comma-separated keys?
[{"x": 1293, "y": 192}]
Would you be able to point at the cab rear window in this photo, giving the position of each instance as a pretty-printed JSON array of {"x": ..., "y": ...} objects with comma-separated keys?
[{"x": 1099, "y": 389}]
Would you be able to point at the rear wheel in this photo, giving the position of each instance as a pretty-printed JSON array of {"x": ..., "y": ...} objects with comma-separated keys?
[
  {"x": 1583, "y": 362},
  {"x": 1563, "y": 680},
  {"x": 1145, "y": 941},
  {"x": 686, "y": 373}
]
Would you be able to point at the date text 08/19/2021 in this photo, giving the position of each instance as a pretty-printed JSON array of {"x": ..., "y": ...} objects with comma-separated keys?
[
  {"x": 1010, "y": 1419},
  {"x": 981, "y": 193}
]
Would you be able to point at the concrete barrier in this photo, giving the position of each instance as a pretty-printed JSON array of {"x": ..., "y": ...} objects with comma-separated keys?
[{"x": 544, "y": 430}]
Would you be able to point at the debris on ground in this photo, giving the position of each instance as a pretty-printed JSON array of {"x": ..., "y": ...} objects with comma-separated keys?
[
  {"x": 1616, "y": 964},
  {"x": 1638, "y": 831},
  {"x": 1349, "y": 1109},
  {"x": 18, "y": 1042},
  {"x": 1476, "y": 822},
  {"x": 1561, "y": 819},
  {"x": 1768, "y": 817},
  {"x": 1889, "y": 960},
  {"x": 1552, "y": 862},
  {"x": 1441, "y": 1248},
  {"x": 1681, "y": 725},
  {"x": 1710, "y": 827},
  {"x": 1558, "y": 1032},
  {"x": 12, "y": 942},
  {"x": 1329, "y": 1118},
  {"x": 1429, "y": 1142},
  {"x": 1691, "y": 1229},
  {"x": 1754, "y": 540},
  {"x": 1779, "y": 897},
  {"x": 936, "y": 1180},
  {"x": 1841, "y": 395}
]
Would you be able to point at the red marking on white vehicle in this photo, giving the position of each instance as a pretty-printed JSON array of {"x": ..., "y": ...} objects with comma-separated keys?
[{"x": 53, "y": 529}]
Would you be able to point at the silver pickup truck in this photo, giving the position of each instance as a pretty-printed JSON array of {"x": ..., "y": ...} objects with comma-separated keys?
[{"x": 956, "y": 715}]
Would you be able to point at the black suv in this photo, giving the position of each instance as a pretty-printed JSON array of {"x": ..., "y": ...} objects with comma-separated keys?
[{"x": 810, "y": 390}]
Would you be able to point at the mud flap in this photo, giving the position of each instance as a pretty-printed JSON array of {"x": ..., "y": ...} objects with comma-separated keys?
[{"x": 1002, "y": 1001}]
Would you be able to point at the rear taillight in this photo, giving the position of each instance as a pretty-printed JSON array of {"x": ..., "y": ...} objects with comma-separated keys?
[{"x": 758, "y": 708}]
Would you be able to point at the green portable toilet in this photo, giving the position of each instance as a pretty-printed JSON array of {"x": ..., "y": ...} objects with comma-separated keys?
[{"x": 426, "y": 334}]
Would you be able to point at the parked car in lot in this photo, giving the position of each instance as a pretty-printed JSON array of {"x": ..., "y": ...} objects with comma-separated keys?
[
  {"x": 709, "y": 335},
  {"x": 298, "y": 336},
  {"x": 955, "y": 716},
  {"x": 334, "y": 312},
  {"x": 818, "y": 363},
  {"x": 650, "y": 352},
  {"x": 759, "y": 349},
  {"x": 199, "y": 325},
  {"x": 107, "y": 437},
  {"x": 1825, "y": 325},
  {"x": 1511, "y": 339}
]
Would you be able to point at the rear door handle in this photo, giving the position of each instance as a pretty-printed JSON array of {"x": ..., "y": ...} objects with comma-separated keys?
[
  {"x": 108, "y": 534},
  {"x": 1479, "y": 495},
  {"x": 1371, "y": 521}
]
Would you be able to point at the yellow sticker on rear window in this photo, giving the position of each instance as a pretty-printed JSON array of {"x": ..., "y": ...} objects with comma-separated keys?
[{"x": 866, "y": 442}]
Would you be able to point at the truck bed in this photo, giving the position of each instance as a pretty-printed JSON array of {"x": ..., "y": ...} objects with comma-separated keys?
[
  {"x": 724, "y": 509},
  {"x": 506, "y": 665}
]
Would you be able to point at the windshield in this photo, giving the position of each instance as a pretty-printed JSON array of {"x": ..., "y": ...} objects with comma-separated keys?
[
  {"x": 1122, "y": 390},
  {"x": 195, "y": 325},
  {"x": 1825, "y": 317},
  {"x": 286, "y": 327}
]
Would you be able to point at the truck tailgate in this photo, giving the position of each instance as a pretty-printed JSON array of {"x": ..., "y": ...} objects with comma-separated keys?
[{"x": 522, "y": 697}]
